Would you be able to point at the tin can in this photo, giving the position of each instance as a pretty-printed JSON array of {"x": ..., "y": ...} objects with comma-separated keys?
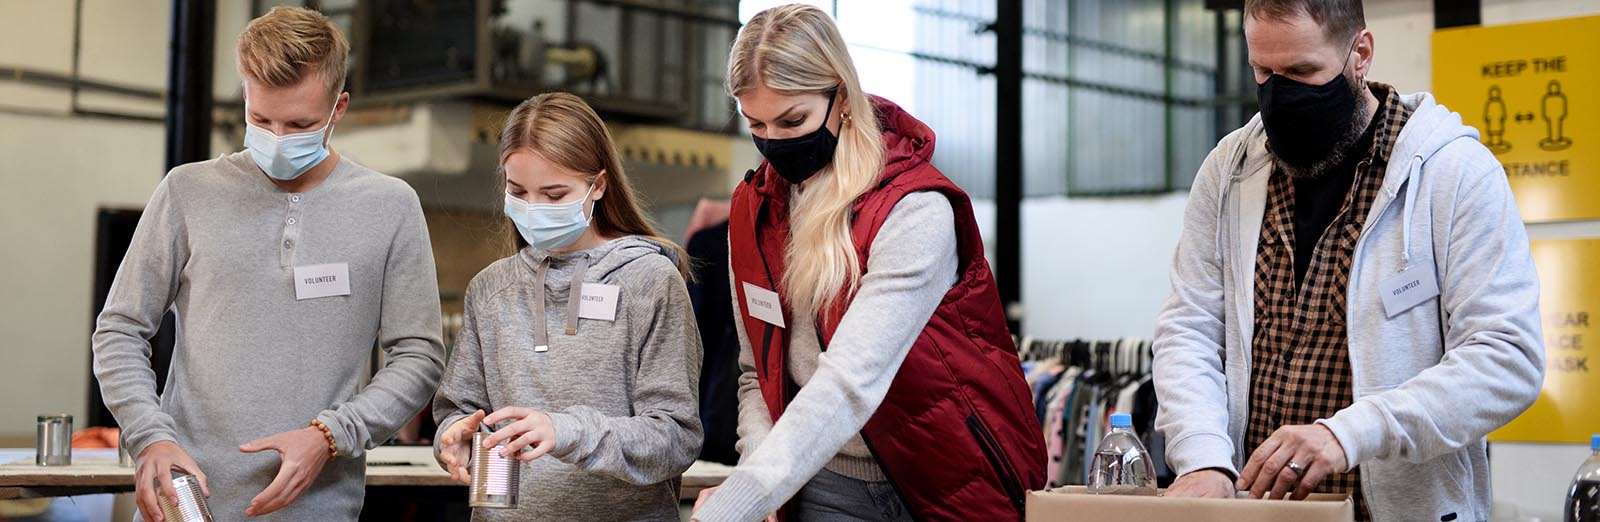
[
  {"x": 494, "y": 478},
  {"x": 53, "y": 442},
  {"x": 191, "y": 506}
]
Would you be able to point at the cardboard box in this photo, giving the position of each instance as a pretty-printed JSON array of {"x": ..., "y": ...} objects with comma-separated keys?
[{"x": 1076, "y": 504}]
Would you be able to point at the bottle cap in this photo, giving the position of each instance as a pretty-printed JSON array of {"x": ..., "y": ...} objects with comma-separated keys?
[
  {"x": 1594, "y": 442},
  {"x": 1121, "y": 420}
]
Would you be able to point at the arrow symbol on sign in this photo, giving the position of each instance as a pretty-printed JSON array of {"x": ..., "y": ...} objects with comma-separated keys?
[{"x": 1523, "y": 117}]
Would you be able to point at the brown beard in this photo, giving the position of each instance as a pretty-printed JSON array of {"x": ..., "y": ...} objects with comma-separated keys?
[{"x": 1342, "y": 149}]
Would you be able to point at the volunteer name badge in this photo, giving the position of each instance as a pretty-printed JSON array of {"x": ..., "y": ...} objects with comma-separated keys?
[
  {"x": 762, "y": 304},
  {"x": 598, "y": 302},
  {"x": 316, "y": 281},
  {"x": 1407, "y": 289}
]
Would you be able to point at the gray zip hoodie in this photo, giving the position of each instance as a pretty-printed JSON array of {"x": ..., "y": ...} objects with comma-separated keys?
[
  {"x": 1430, "y": 381},
  {"x": 621, "y": 393}
]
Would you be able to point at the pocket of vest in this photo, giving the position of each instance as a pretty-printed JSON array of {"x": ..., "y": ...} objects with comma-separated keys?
[{"x": 997, "y": 459}]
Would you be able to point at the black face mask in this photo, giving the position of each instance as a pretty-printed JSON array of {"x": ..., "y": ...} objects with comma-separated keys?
[
  {"x": 1305, "y": 122},
  {"x": 799, "y": 158}
]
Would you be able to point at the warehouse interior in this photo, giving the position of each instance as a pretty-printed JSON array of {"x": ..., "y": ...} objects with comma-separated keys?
[{"x": 1077, "y": 128}]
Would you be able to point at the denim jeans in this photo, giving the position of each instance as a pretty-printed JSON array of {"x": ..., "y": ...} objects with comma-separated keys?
[{"x": 831, "y": 497}]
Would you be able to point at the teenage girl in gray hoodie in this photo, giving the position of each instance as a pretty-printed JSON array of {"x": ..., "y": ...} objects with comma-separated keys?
[{"x": 596, "y": 395}]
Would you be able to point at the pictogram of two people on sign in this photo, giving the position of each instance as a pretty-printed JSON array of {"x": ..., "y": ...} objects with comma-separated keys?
[{"x": 1552, "y": 109}]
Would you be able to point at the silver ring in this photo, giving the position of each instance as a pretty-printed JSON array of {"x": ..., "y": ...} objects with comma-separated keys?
[{"x": 1298, "y": 470}]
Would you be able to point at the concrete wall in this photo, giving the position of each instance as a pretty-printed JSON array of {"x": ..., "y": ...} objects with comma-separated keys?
[{"x": 57, "y": 172}]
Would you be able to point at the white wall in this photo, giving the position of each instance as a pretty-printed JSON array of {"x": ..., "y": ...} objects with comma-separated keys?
[
  {"x": 58, "y": 171},
  {"x": 1092, "y": 268}
]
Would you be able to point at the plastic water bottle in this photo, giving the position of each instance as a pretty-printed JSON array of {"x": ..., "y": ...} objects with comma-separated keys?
[
  {"x": 1121, "y": 466},
  {"x": 1583, "y": 500}
]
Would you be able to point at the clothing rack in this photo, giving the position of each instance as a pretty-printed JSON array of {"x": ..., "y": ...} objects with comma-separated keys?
[
  {"x": 1125, "y": 356},
  {"x": 1077, "y": 384}
]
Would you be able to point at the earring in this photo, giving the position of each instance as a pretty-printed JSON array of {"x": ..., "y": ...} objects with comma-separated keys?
[{"x": 844, "y": 119}]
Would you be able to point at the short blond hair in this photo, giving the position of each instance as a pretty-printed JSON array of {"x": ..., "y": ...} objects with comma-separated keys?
[{"x": 281, "y": 47}]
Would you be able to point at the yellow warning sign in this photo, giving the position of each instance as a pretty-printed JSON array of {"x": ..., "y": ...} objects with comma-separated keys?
[
  {"x": 1533, "y": 92},
  {"x": 1569, "y": 301}
]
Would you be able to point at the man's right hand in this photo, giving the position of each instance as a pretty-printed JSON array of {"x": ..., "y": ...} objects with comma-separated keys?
[
  {"x": 156, "y": 463},
  {"x": 1205, "y": 483},
  {"x": 455, "y": 446}
]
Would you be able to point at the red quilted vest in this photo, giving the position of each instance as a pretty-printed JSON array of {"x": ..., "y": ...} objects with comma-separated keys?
[{"x": 957, "y": 433}]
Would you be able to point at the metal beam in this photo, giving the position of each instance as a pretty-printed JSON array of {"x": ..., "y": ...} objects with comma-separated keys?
[
  {"x": 76, "y": 83},
  {"x": 1457, "y": 13},
  {"x": 189, "y": 66},
  {"x": 1063, "y": 36},
  {"x": 1008, "y": 159}
]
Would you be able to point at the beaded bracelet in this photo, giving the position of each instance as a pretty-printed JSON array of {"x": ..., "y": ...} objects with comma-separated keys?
[{"x": 333, "y": 449}]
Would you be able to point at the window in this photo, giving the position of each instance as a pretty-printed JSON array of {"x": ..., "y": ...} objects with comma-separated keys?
[{"x": 1120, "y": 96}]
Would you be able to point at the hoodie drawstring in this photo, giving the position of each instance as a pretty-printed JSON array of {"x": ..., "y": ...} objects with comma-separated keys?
[
  {"x": 541, "y": 340},
  {"x": 1414, "y": 170},
  {"x": 541, "y": 337},
  {"x": 575, "y": 294}
]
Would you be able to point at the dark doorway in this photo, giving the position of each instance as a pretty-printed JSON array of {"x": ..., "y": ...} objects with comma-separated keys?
[{"x": 113, "y": 232}]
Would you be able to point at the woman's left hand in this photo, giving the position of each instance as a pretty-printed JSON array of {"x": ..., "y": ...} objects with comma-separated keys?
[{"x": 530, "y": 428}]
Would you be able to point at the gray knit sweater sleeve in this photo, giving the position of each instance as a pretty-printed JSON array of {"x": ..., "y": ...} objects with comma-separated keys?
[
  {"x": 912, "y": 265},
  {"x": 409, "y": 333},
  {"x": 463, "y": 389},
  {"x": 145, "y": 287}
]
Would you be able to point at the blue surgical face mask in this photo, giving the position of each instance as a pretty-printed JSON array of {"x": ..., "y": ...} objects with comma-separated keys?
[
  {"x": 548, "y": 226},
  {"x": 287, "y": 157}
]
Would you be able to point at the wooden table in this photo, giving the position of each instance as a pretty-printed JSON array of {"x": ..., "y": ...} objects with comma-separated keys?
[{"x": 96, "y": 471}]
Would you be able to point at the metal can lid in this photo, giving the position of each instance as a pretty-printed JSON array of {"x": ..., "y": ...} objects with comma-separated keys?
[{"x": 55, "y": 416}]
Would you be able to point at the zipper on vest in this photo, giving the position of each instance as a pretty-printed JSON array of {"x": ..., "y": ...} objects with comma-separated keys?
[
  {"x": 766, "y": 347},
  {"x": 997, "y": 458},
  {"x": 766, "y": 338}
]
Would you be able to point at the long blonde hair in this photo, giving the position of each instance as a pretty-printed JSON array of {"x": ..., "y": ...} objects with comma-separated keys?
[
  {"x": 566, "y": 131},
  {"x": 796, "y": 49}
]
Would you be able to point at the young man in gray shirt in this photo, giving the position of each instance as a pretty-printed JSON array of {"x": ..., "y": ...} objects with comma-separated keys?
[{"x": 284, "y": 264}]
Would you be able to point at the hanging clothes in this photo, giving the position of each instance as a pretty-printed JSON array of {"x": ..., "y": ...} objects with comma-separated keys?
[{"x": 1077, "y": 386}]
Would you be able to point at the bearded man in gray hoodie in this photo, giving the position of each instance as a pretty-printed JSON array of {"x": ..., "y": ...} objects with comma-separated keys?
[{"x": 1354, "y": 306}]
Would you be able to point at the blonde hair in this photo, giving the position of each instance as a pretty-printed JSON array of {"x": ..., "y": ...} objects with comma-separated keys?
[
  {"x": 282, "y": 46},
  {"x": 564, "y": 130},
  {"x": 797, "y": 49}
]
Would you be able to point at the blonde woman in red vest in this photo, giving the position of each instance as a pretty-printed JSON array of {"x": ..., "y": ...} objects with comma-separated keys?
[{"x": 879, "y": 380}]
